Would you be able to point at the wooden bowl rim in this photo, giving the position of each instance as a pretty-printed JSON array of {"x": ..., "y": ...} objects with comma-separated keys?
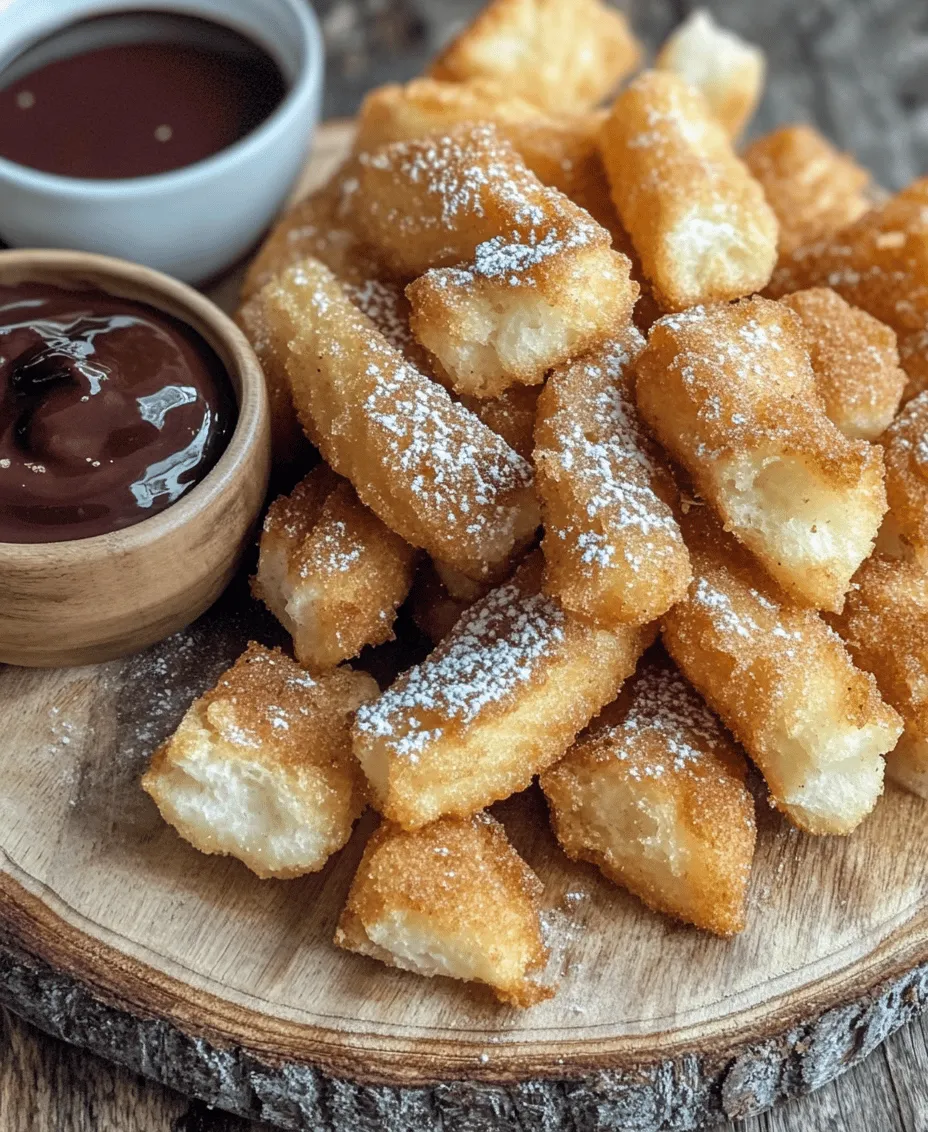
[{"x": 164, "y": 293}]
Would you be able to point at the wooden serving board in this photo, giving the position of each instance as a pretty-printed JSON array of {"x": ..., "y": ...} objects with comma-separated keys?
[{"x": 117, "y": 935}]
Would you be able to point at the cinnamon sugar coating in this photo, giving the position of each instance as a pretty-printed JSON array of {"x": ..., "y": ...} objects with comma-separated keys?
[
  {"x": 783, "y": 683},
  {"x": 730, "y": 393},
  {"x": 260, "y": 767},
  {"x": 452, "y": 899},
  {"x": 854, "y": 359},
  {"x": 511, "y": 415},
  {"x": 654, "y": 795},
  {"x": 885, "y": 626},
  {"x": 424, "y": 465},
  {"x": 613, "y": 551},
  {"x": 697, "y": 218},
  {"x": 880, "y": 264},
  {"x": 563, "y": 55},
  {"x": 500, "y": 700},
  {"x": 813, "y": 188},
  {"x": 904, "y": 533},
  {"x": 330, "y": 571},
  {"x": 727, "y": 70}
]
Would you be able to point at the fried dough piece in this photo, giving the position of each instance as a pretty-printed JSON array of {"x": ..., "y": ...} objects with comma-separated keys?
[
  {"x": 330, "y": 571},
  {"x": 783, "y": 683},
  {"x": 854, "y": 359},
  {"x": 561, "y": 150},
  {"x": 521, "y": 308},
  {"x": 880, "y": 264},
  {"x": 696, "y": 216},
  {"x": 813, "y": 188},
  {"x": 288, "y": 441},
  {"x": 537, "y": 280},
  {"x": 511, "y": 415},
  {"x": 904, "y": 533},
  {"x": 563, "y": 55},
  {"x": 424, "y": 465},
  {"x": 500, "y": 700},
  {"x": 260, "y": 767},
  {"x": 614, "y": 554},
  {"x": 452, "y": 899},
  {"x": 725, "y": 68},
  {"x": 654, "y": 795},
  {"x": 730, "y": 393},
  {"x": 885, "y": 626}
]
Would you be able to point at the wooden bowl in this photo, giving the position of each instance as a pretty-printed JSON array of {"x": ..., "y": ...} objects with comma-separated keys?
[{"x": 88, "y": 600}]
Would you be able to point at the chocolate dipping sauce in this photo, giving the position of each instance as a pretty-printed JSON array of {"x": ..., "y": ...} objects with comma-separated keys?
[
  {"x": 135, "y": 109},
  {"x": 110, "y": 411}
]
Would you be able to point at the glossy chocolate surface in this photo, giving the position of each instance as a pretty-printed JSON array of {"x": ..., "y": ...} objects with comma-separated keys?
[{"x": 110, "y": 411}]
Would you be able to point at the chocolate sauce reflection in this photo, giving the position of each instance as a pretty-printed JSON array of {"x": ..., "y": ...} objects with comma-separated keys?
[{"x": 110, "y": 411}]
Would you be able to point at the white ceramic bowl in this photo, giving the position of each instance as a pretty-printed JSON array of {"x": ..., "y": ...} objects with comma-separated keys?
[{"x": 195, "y": 221}]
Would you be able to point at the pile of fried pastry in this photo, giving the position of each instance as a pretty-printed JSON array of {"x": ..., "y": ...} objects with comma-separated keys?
[{"x": 580, "y": 379}]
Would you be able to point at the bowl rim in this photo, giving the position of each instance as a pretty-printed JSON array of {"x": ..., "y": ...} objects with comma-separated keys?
[
  {"x": 306, "y": 85},
  {"x": 252, "y": 423}
]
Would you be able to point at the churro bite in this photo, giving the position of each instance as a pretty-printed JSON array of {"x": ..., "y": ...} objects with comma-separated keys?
[
  {"x": 428, "y": 468},
  {"x": 730, "y": 393},
  {"x": 854, "y": 359},
  {"x": 880, "y": 264},
  {"x": 517, "y": 277},
  {"x": 885, "y": 626},
  {"x": 562, "y": 55},
  {"x": 725, "y": 68},
  {"x": 654, "y": 794},
  {"x": 330, "y": 571},
  {"x": 452, "y": 899},
  {"x": 904, "y": 533},
  {"x": 500, "y": 700},
  {"x": 813, "y": 188},
  {"x": 613, "y": 551},
  {"x": 783, "y": 682},
  {"x": 260, "y": 767},
  {"x": 288, "y": 441},
  {"x": 697, "y": 218}
]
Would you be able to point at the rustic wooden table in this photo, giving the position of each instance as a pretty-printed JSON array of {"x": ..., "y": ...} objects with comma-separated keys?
[{"x": 859, "y": 68}]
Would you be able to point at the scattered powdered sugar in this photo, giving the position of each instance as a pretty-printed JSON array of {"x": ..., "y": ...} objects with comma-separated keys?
[
  {"x": 499, "y": 645},
  {"x": 601, "y": 449},
  {"x": 385, "y": 304}
]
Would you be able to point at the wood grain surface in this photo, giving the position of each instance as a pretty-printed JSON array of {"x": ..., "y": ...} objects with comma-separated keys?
[{"x": 857, "y": 67}]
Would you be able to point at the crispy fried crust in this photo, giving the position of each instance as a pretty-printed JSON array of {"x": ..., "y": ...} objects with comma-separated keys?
[
  {"x": 854, "y": 359},
  {"x": 783, "y": 683},
  {"x": 880, "y": 264},
  {"x": 511, "y": 415},
  {"x": 260, "y": 767},
  {"x": 696, "y": 216},
  {"x": 562, "y": 150},
  {"x": 885, "y": 625},
  {"x": 330, "y": 571},
  {"x": 427, "y": 467},
  {"x": 522, "y": 306},
  {"x": 904, "y": 533},
  {"x": 655, "y": 796},
  {"x": 614, "y": 554},
  {"x": 500, "y": 700},
  {"x": 288, "y": 441},
  {"x": 814, "y": 189},
  {"x": 725, "y": 68},
  {"x": 563, "y": 55},
  {"x": 453, "y": 899},
  {"x": 730, "y": 393}
]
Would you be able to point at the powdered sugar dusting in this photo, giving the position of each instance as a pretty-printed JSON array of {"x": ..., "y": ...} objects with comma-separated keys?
[{"x": 498, "y": 646}]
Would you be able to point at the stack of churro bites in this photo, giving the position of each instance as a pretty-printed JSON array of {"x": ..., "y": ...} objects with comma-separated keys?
[{"x": 580, "y": 376}]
